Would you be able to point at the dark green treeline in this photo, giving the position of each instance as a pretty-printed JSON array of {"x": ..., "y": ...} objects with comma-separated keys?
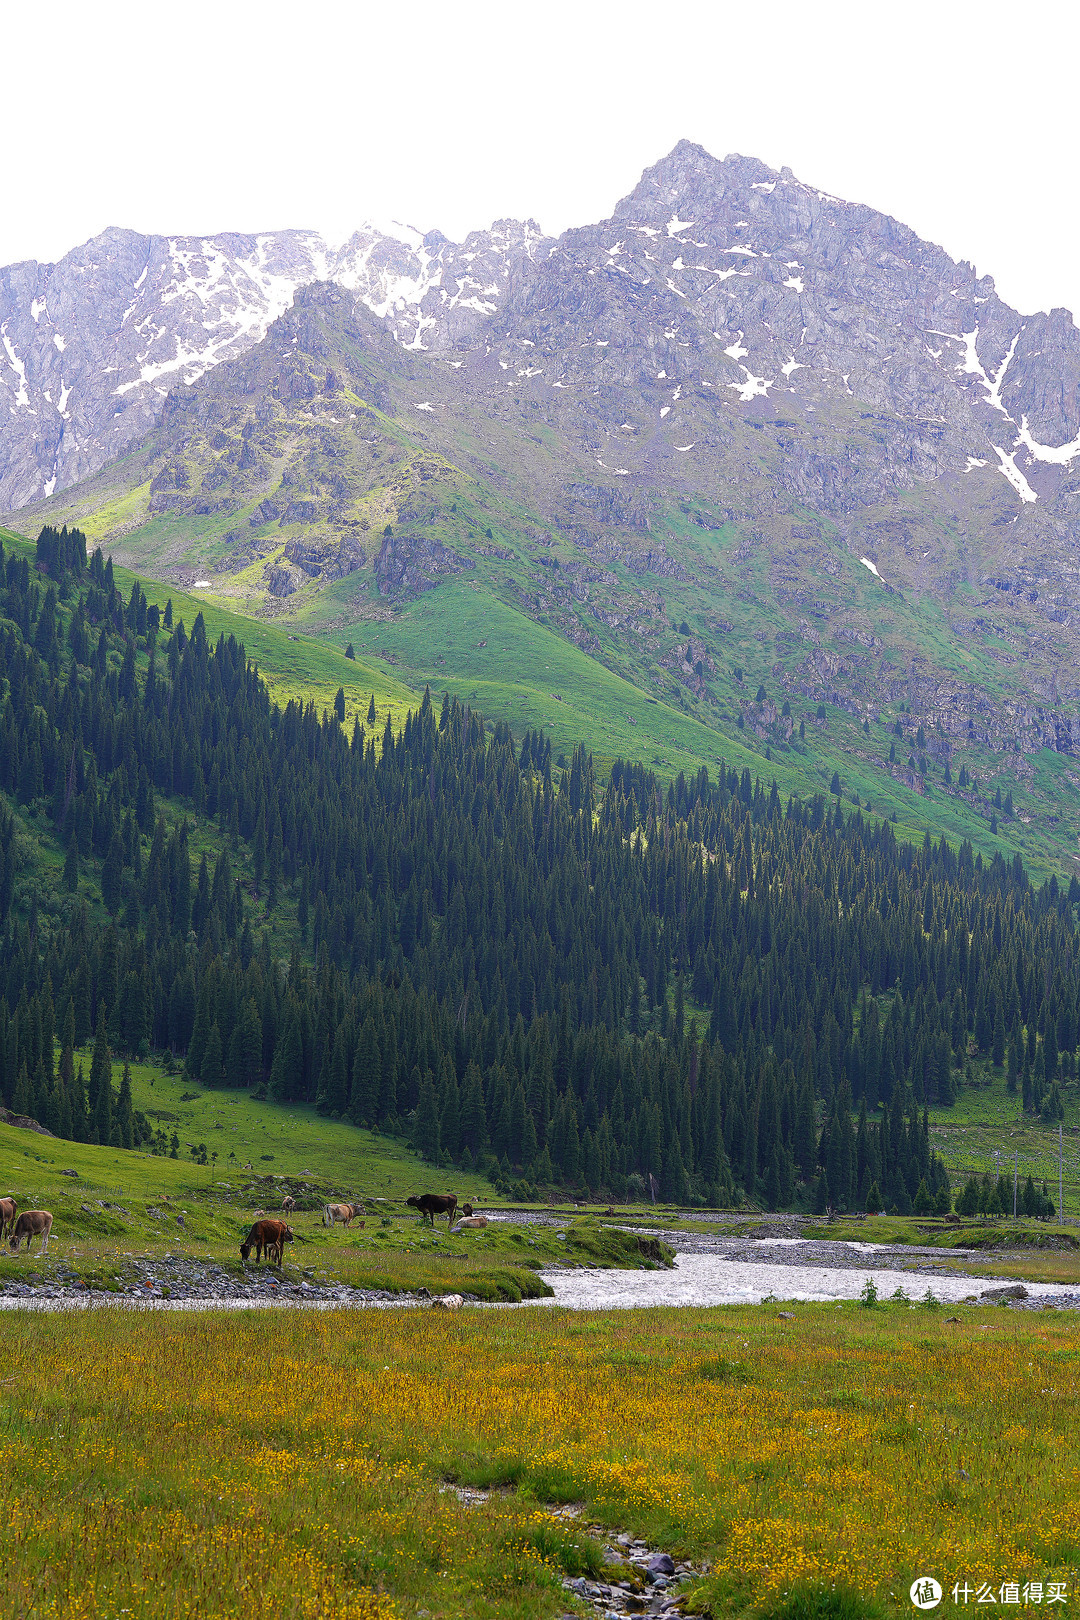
[{"x": 704, "y": 986}]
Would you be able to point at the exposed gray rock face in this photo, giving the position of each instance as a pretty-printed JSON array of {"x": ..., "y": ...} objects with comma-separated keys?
[
  {"x": 716, "y": 286},
  {"x": 410, "y": 563}
]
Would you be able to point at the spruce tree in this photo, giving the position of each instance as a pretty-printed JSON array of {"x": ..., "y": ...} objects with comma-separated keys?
[
  {"x": 426, "y": 1124},
  {"x": 100, "y": 1062},
  {"x": 125, "y": 1116}
]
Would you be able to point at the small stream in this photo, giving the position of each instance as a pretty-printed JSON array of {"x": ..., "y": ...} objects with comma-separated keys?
[{"x": 714, "y": 1279}]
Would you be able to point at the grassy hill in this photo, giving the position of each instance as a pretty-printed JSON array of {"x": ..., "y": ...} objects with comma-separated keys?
[
  {"x": 467, "y": 639},
  {"x": 123, "y": 1216}
]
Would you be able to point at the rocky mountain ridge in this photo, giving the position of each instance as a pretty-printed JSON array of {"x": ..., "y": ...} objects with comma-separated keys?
[{"x": 91, "y": 346}]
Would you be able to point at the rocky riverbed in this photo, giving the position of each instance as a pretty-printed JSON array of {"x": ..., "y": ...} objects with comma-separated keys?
[
  {"x": 177, "y": 1280},
  {"x": 767, "y": 1259}
]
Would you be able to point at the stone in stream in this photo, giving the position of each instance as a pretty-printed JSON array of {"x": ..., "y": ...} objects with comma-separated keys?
[
  {"x": 447, "y": 1302},
  {"x": 1017, "y": 1291}
]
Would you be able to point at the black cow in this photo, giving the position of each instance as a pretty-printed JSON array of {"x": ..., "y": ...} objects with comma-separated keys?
[{"x": 433, "y": 1204}]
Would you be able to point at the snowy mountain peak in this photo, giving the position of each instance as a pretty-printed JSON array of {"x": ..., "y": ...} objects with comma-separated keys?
[{"x": 92, "y": 345}]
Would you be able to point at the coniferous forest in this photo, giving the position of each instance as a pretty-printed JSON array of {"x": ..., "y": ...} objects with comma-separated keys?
[{"x": 693, "y": 990}]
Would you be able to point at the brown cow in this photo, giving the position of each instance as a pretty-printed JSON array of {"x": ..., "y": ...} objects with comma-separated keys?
[
  {"x": 345, "y": 1213},
  {"x": 433, "y": 1204},
  {"x": 32, "y": 1223},
  {"x": 288, "y": 1203},
  {"x": 268, "y": 1235},
  {"x": 8, "y": 1208}
]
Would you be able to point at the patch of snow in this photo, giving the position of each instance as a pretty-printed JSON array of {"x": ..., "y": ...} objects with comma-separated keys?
[
  {"x": 672, "y": 288},
  {"x": 664, "y": 409},
  {"x": 423, "y": 405},
  {"x": 973, "y": 461},
  {"x": 1012, "y": 472},
  {"x": 747, "y": 252},
  {"x": 795, "y": 283},
  {"x": 646, "y": 230},
  {"x": 22, "y": 398},
  {"x": 678, "y": 264},
  {"x": 872, "y": 566},
  {"x": 202, "y": 584},
  {"x": 791, "y": 366},
  {"x": 726, "y": 275},
  {"x": 971, "y": 365},
  {"x": 1058, "y": 455},
  {"x": 736, "y": 350},
  {"x": 50, "y": 485},
  {"x": 683, "y": 448},
  {"x": 752, "y": 388},
  {"x": 660, "y": 374},
  {"x": 675, "y": 225},
  {"x": 37, "y": 309},
  {"x": 602, "y": 343},
  {"x": 677, "y": 392},
  {"x": 142, "y": 278},
  {"x": 65, "y": 395},
  {"x": 560, "y": 385},
  {"x": 763, "y": 185},
  {"x": 624, "y": 472},
  {"x": 61, "y": 343},
  {"x": 792, "y": 264}
]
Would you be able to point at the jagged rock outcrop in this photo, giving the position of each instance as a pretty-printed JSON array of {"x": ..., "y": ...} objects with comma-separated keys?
[{"x": 411, "y": 563}]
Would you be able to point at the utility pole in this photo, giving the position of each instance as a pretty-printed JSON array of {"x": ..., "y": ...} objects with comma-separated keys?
[{"x": 1016, "y": 1174}]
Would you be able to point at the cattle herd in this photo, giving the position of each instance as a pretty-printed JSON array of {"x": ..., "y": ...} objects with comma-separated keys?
[
  {"x": 270, "y": 1236},
  {"x": 266, "y": 1236}
]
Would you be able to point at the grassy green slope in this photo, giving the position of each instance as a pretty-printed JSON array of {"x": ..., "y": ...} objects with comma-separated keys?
[
  {"x": 466, "y": 638},
  {"x": 294, "y": 666},
  {"x": 122, "y": 1215}
]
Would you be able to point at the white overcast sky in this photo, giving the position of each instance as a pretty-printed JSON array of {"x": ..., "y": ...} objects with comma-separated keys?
[{"x": 958, "y": 118}]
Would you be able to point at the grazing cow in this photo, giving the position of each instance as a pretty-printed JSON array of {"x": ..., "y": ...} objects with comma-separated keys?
[
  {"x": 432, "y": 1204},
  {"x": 345, "y": 1213},
  {"x": 288, "y": 1203},
  {"x": 466, "y": 1209},
  {"x": 268, "y": 1235},
  {"x": 32, "y": 1223},
  {"x": 8, "y": 1208}
]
